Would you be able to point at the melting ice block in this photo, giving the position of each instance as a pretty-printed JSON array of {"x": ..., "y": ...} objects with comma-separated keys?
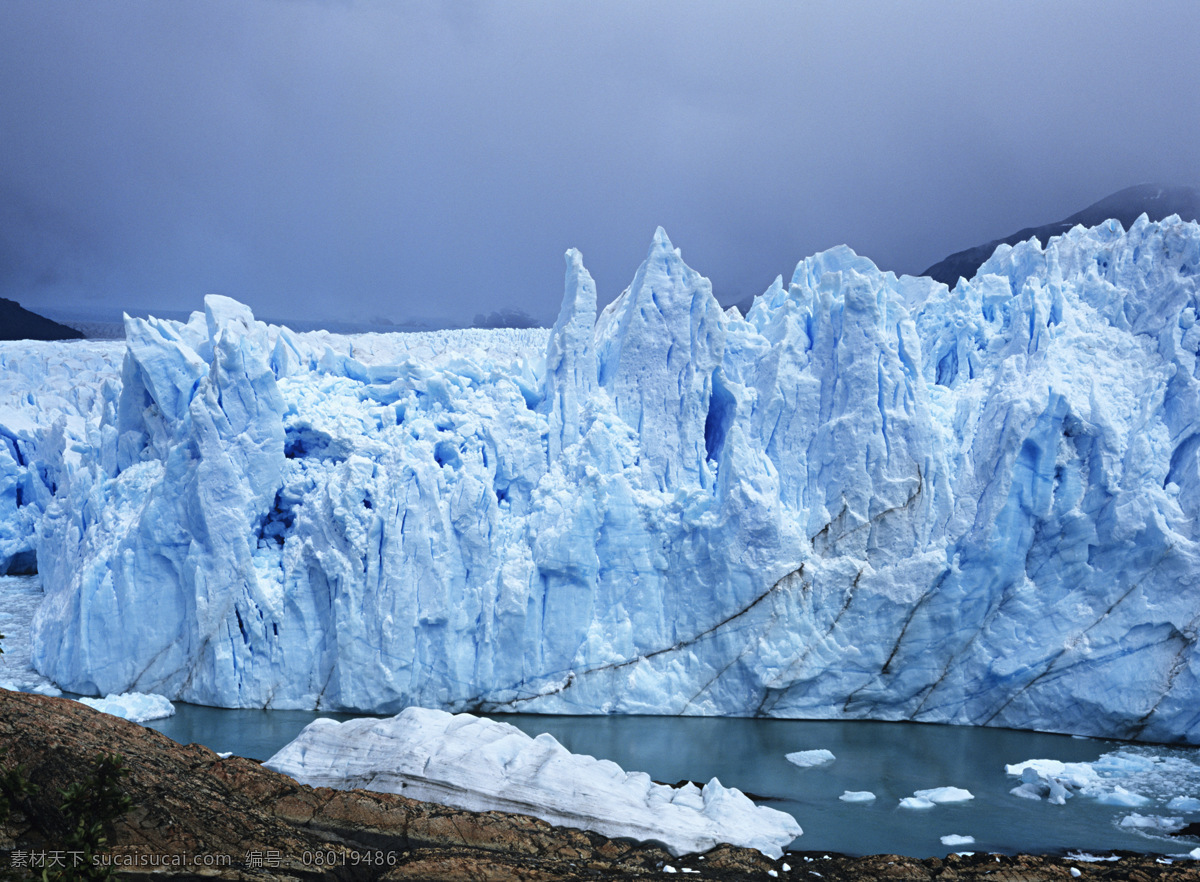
[{"x": 480, "y": 765}]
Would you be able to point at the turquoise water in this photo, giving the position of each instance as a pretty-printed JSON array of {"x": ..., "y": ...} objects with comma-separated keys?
[{"x": 890, "y": 759}]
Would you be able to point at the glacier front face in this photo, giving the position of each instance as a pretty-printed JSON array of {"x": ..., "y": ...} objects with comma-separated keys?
[{"x": 871, "y": 497}]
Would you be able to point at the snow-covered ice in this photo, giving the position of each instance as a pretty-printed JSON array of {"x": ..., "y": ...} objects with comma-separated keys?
[
  {"x": 137, "y": 707},
  {"x": 857, "y": 796},
  {"x": 871, "y": 497},
  {"x": 807, "y": 759},
  {"x": 480, "y": 765}
]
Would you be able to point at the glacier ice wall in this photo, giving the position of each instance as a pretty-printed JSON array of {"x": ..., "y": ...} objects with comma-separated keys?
[
  {"x": 51, "y": 397},
  {"x": 871, "y": 497}
]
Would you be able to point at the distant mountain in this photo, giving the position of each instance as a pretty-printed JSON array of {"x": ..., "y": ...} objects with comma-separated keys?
[
  {"x": 18, "y": 323},
  {"x": 1125, "y": 205}
]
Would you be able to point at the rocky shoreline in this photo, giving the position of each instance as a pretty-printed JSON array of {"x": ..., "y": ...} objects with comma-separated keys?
[{"x": 195, "y": 815}]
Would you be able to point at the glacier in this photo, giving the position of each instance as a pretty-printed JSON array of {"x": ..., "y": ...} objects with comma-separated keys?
[
  {"x": 870, "y": 497},
  {"x": 483, "y": 765}
]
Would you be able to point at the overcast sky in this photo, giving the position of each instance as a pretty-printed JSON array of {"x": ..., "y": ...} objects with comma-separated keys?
[{"x": 401, "y": 160}]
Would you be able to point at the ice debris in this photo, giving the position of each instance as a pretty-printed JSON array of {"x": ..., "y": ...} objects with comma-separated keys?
[
  {"x": 137, "y": 707},
  {"x": 1132, "y": 778},
  {"x": 480, "y": 765}
]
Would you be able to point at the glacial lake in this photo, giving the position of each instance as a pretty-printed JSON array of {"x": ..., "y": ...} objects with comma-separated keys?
[{"x": 892, "y": 760}]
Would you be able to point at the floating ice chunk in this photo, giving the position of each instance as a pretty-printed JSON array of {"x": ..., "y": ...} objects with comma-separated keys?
[
  {"x": 941, "y": 795},
  {"x": 953, "y": 839},
  {"x": 1028, "y": 791},
  {"x": 807, "y": 759},
  {"x": 481, "y": 765},
  {"x": 1072, "y": 775},
  {"x": 1122, "y": 797},
  {"x": 137, "y": 707},
  {"x": 1129, "y": 778},
  {"x": 1151, "y": 822},
  {"x": 916, "y": 802},
  {"x": 857, "y": 796}
]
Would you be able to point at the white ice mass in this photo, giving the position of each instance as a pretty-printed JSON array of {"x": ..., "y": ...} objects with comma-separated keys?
[
  {"x": 872, "y": 497},
  {"x": 134, "y": 706},
  {"x": 477, "y": 764}
]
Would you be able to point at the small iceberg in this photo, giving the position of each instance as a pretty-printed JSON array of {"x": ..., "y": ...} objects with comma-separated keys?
[
  {"x": 857, "y": 796},
  {"x": 807, "y": 759},
  {"x": 137, "y": 707},
  {"x": 476, "y": 764}
]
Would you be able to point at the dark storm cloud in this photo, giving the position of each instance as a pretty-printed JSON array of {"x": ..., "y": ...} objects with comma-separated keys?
[{"x": 420, "y": 159}]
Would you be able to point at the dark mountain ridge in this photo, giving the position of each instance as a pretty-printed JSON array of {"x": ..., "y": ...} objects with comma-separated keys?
[
  {"x": 18, "y": 323},
  {"x": 1157, "y": 201}
]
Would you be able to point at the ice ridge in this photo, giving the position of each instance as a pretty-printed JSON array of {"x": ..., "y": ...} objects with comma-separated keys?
[{"x": 872, "y": 497}]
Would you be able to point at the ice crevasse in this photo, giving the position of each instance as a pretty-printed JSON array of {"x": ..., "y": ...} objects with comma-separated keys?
[{"x": 870, "y": 497}]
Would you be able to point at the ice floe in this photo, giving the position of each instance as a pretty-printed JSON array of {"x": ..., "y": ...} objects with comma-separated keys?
[{"x": 478, "y": 764}]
